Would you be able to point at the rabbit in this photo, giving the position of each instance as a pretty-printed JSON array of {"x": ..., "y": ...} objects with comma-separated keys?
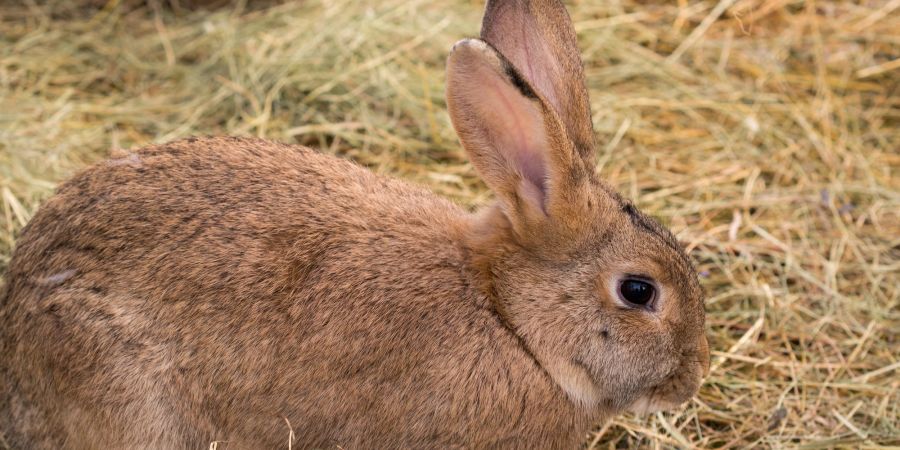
[{"x": 239, "y": 293}]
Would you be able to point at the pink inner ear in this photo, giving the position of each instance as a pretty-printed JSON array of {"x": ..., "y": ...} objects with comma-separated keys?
[
  {"x": 501, "y": 123},
  {"x": 518, "y": 128},
  {"x": 533, "y": 187},
  {"x": 531, "y": 164}
]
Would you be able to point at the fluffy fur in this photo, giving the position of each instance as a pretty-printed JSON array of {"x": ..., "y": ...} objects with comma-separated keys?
[{"x": 238, "y": 290}]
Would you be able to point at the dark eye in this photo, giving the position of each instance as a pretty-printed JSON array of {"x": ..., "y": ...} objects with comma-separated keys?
[{"x": 636, "y": 291}]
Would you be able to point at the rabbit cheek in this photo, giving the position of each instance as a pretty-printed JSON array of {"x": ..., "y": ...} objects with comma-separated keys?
[
  {"x": 675, "y": 390},
  {"x": 677, "y": 385},
  {"x": 624, "y": 362}
]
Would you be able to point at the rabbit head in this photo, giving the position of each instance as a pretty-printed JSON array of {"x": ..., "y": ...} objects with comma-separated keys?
[{"x": 602, "y": 296}]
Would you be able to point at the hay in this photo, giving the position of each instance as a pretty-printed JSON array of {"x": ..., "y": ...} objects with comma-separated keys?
[{"x": 764, "y": 132}]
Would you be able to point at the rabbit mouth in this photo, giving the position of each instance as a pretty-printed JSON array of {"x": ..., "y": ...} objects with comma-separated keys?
[
  {"x": 674, "y": 391},
  {"x": 652, "y": 402},
  {"x": 649, "y": 405}
]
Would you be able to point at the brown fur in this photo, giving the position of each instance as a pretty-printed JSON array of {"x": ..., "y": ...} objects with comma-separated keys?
[{"x": 233, "y": 290}]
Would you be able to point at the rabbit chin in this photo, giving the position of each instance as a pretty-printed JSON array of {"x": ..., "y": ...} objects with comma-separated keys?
[
  {"x": 661, "y": 398},
  {"x": 648, "y": 405}
]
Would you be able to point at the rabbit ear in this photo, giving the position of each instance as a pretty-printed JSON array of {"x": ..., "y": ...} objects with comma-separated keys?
[
  {"x": 515, "y": 140},
  {"x": 538, "y": 38}
]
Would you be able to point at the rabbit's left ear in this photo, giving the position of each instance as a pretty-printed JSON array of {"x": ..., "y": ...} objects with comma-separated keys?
[
  {"x": 514, "y": 138},
  {"x": 538, "y": 38}
]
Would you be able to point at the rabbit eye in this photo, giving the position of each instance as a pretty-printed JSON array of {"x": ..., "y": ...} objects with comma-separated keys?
[{"x": 636, "y": 292}]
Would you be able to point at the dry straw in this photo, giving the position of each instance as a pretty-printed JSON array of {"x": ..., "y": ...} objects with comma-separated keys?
[{"x": 766, "y": 133}]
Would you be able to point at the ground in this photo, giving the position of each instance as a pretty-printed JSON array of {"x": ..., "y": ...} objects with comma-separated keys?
[{"x": 765, "y": 133}]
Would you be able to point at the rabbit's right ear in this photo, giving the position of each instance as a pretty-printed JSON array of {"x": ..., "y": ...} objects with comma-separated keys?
[
  {"x": 538, "y": 38},
  {"x": 514, "y": 138}
]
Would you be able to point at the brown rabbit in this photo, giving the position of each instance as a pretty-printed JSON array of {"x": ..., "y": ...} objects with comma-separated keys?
[{"x": 249, "y": 293}]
